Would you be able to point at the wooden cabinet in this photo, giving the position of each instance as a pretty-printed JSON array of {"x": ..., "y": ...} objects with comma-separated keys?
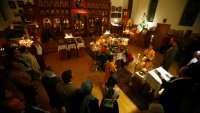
[{"x": 159, "y": 34}]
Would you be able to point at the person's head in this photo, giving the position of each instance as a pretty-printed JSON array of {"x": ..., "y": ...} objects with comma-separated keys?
[
  {"x": 48, "y": 72},
  {"x": 197, "y": 55},
  {"x": 48, "y": 68},
  {"x": 14, "y": 105},
  {"x": 86, "y": 87},
  {"x": 174, "y": 43},
  {"x": 36, "y": 41},
  {"x": 23, "y": 49},
  {"x": 110, "y": 58},
  {"x": 155, "y": 108},
  {"x": 67, "y": 76},
  {"x": 16, "y": 52},
  {"x": 112, "y": 80}
]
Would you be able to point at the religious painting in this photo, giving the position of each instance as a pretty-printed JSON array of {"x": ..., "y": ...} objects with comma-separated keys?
[
  {"x": 119, "y": 9},
  {"x": 12, "y": 4},
  {"x": 20, "y": 3},
  {"x": 119, "y": 15},
  {"x": 125, "y": 13},
  {"x": 113, "y": 8},
  {"x": 46, "y": 23},
  {"x": 112, "y": 15},
  {"x": 116, "y": 9}
]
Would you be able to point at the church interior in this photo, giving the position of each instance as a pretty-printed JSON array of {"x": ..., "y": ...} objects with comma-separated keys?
[{"x": 99, "y": 56}]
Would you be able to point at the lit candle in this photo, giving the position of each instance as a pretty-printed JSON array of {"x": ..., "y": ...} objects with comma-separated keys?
[
  {"x": 152, "y": 38},
  {"x": 138, "y": 57}
]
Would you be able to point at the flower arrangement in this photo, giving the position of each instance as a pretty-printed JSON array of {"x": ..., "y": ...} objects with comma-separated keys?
[
  {"x": 103, "y": 50},
  {"x": 129, "y": 57}
]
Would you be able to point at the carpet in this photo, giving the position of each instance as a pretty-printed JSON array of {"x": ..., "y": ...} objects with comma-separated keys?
[{"x": 134, "y": 89}]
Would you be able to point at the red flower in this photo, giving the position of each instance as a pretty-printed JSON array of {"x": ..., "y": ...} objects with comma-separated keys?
[
  {"x": 129, "y": 57},
  {"x": 103, "y": 50}
]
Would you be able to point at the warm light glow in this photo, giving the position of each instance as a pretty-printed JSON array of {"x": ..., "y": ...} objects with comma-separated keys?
[
  {"x": 116, "y": 20},
  {"x": 25, "y": 42},
  {"x": 150, "y": 24},
  {"x": 107, "y": 32},
  {"x": 68, "y": 35}
]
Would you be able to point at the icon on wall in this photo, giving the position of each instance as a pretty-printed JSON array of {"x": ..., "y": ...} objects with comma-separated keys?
[
  {"x": 20, "y": 3},
  {"x": 12, "y": 4},
  {"x": 119, "y": 9},
  {"x": 113, "y": 8}
]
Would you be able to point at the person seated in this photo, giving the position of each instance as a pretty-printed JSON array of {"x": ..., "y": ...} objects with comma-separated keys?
[{"x": 149, "y": 55}]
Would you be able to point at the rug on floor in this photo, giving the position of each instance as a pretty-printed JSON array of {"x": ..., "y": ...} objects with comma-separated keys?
[{"x": 133, "y": 88}]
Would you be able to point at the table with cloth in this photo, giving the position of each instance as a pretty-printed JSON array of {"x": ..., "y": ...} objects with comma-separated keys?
[
  {"x": 152, "y": 77},
  {"x": 72, "y": 46}
]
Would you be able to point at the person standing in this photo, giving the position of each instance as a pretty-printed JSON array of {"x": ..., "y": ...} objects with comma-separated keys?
[
  {"x": 50, "y": 81},
  {"x": 109, "y": 102},
  {"x": 149, "y": 55},
  {"x": 31, "y": 58},
  {"x": 89, "y": 103},
  {"x": 110, "y": 68},
  {"x": 67, "y": 92},
  {"x": 37, "y": 51},
  {"x": 170, "y": 55}
]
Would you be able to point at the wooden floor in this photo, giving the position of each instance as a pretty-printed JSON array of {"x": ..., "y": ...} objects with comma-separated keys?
[{"x": 81, "y": 70}]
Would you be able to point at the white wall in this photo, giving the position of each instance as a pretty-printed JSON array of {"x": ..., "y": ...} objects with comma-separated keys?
[
  {"x": 170, "y": 9},
  {"x": 117, "y": 3}
]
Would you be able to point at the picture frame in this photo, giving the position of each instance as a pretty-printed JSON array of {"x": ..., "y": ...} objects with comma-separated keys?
[
  {"x": 119, "y": 15},
  {"x": 116, "y": 15},
  {"x": 20, "y": 3},
  {"x": 12, "y": 4},
  {"x": 113, "y": 8},
  {"x": 116, "y": 8},
  {"x": 125, "y": 13},
  {"x": 119, "y": 9},
  {"x": 112, "y": 15}
]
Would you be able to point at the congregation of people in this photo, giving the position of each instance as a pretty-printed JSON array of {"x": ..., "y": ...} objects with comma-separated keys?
[{"x": 24, "y": 68}]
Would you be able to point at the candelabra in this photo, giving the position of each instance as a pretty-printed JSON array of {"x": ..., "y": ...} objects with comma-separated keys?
[{"x": 137, "y": 61}]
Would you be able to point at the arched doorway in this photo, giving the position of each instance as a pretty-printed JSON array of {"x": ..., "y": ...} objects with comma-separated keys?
[
  {"x": 80, "y": 22},
  {"x": 57, "y": 26},
  {"x": 47, "y": 30}
]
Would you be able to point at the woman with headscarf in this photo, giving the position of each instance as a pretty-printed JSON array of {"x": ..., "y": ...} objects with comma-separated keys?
[
  {"x": 109, "y": 102},
  {"x": 89, "y": 103}
]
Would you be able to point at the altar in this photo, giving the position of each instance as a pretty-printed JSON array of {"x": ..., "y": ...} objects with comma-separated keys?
[
  {"x": 71, "y": 46},
  {"x": 153, "y": 77},
  {"x": 109, "y": 44}
]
